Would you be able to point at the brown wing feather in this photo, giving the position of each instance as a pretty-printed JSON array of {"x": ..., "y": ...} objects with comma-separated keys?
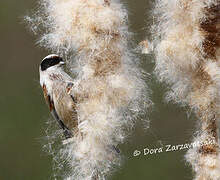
[
  {"x": 65, "y": 104},
  {"x": 67, "y": 132},
  {"x": 47, "y": 98}
]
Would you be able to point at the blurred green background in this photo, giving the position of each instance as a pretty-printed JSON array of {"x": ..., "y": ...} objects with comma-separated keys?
[{"x": 24, "y": 113}]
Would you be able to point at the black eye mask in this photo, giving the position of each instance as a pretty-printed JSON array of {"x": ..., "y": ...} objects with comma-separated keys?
[{"x": 48, "y": 62}]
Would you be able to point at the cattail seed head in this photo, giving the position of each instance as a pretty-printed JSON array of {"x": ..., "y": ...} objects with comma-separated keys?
[
  {"x": 109, "y": 86},
  {"x": 187, "y": 44}
]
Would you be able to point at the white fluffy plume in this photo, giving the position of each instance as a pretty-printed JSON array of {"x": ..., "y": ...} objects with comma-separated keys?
[
  {"x": 109, "y": 85},
  {"x": 187, "y": 45}
]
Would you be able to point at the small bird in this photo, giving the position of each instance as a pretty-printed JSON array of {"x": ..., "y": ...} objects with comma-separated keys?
[{"x": 57, "y": 86}]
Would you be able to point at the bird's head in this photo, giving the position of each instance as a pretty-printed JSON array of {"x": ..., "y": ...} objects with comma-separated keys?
[{"x": 51, "y": 61}]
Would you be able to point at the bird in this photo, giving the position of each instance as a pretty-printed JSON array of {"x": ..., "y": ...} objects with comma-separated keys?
[{"x": 57, "y": 88}]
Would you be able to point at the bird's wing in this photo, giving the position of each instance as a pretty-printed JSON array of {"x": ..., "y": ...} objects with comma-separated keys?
[{"x": 49, "y": 100}]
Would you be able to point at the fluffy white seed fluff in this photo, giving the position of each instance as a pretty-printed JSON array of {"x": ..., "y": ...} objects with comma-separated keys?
[
  {"x": 187, "y": 45},
  {"x": 109, "y": 87}
]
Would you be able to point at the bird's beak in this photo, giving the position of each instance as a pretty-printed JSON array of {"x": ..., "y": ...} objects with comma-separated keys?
[{"x": 62, "y": 62}]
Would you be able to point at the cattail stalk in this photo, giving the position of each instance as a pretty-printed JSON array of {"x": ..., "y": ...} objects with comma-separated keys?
[
  {"x": 108, "y": 85},
  {"x": 187, "y": 47}
]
